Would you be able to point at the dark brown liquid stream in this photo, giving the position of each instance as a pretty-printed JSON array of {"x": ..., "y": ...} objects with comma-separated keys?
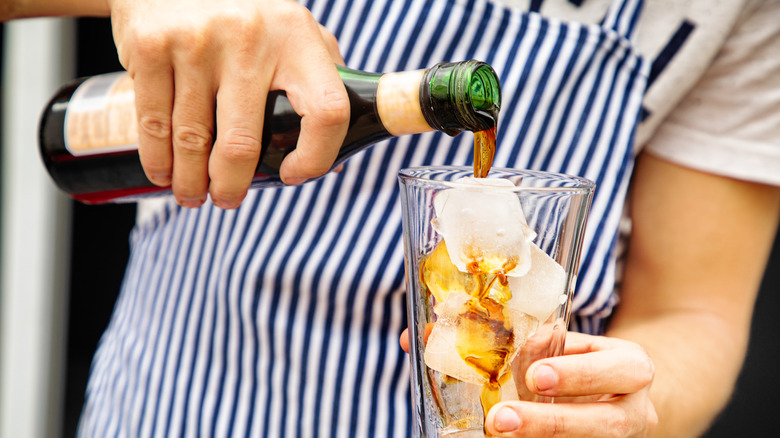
[
  {"x": 484, "y": 151},
  {"x": 484, "y": 336}
]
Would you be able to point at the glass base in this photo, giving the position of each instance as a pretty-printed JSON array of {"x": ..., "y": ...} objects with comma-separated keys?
[{"x": 452, "y": 432}]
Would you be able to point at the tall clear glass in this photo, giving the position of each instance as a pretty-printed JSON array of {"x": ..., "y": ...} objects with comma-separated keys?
[{"x": 489, "y": 286}]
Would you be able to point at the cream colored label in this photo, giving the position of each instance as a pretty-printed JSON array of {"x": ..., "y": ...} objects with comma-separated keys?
[
  {"x": 398, "y": 103},
  {"x": 101, "y": 116}
]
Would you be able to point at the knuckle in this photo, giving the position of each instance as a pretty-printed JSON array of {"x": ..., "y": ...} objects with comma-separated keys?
[
  {"x": 155, "y": 125},
  {"x": 190, "y": 141},
  {"x": 147, "y": 44},
  {"x": 312, "y": 168},
  {"x": 195, "y": 51},
  {"x": 124, "y": 55},
  {"x": 239, "y": 144},
  {"x": 333, "y": 108},
  {"x": 294, "y": 14},
  {"x": 585, "y": 376},
  {"x": 557, "y": 425},
  {"x": 330, "y": 40},
  {"x": 244, "y": 36}
]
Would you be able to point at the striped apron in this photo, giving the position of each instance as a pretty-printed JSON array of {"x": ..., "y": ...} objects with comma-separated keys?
[{"x": 282, "y": 318}]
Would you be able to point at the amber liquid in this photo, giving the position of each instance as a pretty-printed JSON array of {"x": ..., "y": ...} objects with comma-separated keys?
[
  {"x": 488, "y": 360},
  {"x": 484, "y": 335},
  {"x": 484, "y": 338},
  {"x": 484, "y": 151}
]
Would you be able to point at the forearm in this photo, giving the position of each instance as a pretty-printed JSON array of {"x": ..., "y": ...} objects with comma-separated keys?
[
  {"x": 698, "y": 249},
  {"x": 10, "y": 9},
  {"x": 697, "y": 357}
]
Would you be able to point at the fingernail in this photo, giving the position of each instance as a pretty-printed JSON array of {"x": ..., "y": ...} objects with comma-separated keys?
[
  {"x": 506, "y": 420},
  {"x": 191, "y": 202},
  {"x": 545, "y": 378},
  {"x": 294, "y": 181},
  {"x": 161, "y": 179},
  {"x": 227, "y": 205}
]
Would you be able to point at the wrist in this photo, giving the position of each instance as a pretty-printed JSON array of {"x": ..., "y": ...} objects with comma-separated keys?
[
  {"x": 8, "y": 9},
  {"x": 11, "y": 9}
]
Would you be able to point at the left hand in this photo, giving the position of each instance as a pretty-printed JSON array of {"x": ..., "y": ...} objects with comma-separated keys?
[{"x": 601, "y": 387}]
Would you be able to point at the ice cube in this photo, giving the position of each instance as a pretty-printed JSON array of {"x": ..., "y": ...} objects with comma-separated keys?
[
  {"x": 523, "y": 326},
  {"x": 446, "y": 342},
  {"x": 485, "y": 230},
  {"x": 541, "y": 290},
  {"x": 457, "y": 402},
  {"x": 441, "y": 353}
]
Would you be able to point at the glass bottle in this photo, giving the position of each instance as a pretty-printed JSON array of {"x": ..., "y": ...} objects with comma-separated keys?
[{"x": 89, "y": 134}]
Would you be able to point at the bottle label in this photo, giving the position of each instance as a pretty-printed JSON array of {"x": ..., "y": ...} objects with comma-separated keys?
[
  {"x": 101, "y": 116},
  {"x": 398, "y": 103}
]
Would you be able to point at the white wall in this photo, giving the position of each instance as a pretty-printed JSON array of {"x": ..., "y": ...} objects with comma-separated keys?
[{"x": 34, "y": 258}]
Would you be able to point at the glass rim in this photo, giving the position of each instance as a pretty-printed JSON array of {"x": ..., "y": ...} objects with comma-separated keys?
[{"x": 582, "y": 185}]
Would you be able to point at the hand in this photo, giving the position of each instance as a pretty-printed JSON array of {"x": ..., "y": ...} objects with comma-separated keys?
[
  {"x": 194, "y": 59},
  {"x": 601, "y": 387}
]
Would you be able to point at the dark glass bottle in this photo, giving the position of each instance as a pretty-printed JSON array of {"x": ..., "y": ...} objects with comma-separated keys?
[{"x": 88, "y": 131}]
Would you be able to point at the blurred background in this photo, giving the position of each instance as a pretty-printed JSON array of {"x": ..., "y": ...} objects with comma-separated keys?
[{"x": 62, "y": 262}]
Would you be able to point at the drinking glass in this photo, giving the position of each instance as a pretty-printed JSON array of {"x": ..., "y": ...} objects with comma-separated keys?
[{"x": 451, "y": 397}]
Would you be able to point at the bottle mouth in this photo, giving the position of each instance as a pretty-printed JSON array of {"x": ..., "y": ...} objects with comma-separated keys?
[{"x": 461, "y": 95}]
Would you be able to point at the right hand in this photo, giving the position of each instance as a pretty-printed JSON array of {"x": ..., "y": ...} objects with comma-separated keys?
[
  {"x": 602, "y": 388},
  {"x": 194, "y": 59}
]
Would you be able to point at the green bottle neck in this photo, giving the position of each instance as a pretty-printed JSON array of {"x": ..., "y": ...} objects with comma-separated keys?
[{"x": 461, "y": 96}]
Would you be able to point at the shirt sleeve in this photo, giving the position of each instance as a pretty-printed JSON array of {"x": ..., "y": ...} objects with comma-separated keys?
[{"x": 729, "y": 123}]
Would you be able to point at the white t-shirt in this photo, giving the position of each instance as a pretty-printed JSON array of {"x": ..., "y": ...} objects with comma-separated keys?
[{"x": 713, "y": 101}]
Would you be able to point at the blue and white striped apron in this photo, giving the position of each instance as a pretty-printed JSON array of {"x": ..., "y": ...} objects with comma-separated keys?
[{"x": 282, "y": 318}]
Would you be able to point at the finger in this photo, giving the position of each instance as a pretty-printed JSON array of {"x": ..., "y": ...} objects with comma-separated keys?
[
  {"x": 154, "y": 105},
  {"x": 318, "y": 95},
  {"x": 404, "y": 340},
  {"x": 615, "y": 371},
  {"x": 324, "y": 119},
  {"x": 193, "y": 127},
  {"x": 529, "y": 419},
  {"x": 580, "y": 343},
  {"x": 427, "y": 332},
  {"x": 233, "y": 161}
]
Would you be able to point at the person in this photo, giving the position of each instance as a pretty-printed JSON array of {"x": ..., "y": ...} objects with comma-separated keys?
[{"x": 277, "y": 312}]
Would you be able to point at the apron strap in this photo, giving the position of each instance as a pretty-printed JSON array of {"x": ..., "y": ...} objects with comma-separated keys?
[{"x": 623, "y": 16}]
